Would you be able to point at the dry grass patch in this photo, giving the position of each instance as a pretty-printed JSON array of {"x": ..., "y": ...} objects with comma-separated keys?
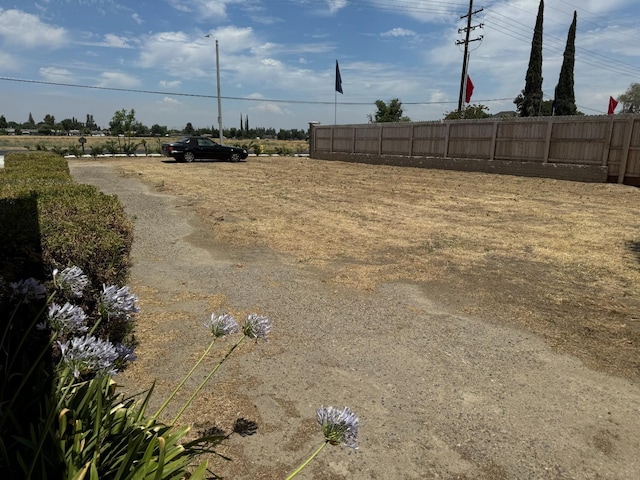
[{"x": 559, "y": 258}]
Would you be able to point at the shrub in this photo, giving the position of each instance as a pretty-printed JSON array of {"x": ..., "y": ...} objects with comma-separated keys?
[
  {"x": 59, "y": 150},
  {"x": 96, "y": 150},
  {"x": 62, "y": 222},
  {"x": 75, "y": 150},
  {"x": 112, "y": 147}
]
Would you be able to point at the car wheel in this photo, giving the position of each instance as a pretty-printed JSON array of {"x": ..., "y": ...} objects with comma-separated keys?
[
  {"x": 189, "y": 157},
  {"x": 235, "y": 157}
]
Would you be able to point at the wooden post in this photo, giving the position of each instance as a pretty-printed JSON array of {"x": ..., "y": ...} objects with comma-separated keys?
[
  {"x": 547, "y": 140},
  {"x": 331, "y": 147},
  {"x": 380, "y": 140},
  {"x": 494, "y": 140},
  {"x": 411, "y": 140},
  {"x": 625, "y": 150},
  {"x": 353, "y": 141},
  {"x": 445, "y": 154},
  {"x": 606, "y": 150}
]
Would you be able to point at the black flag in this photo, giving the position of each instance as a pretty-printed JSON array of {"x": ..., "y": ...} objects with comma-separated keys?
[{"x": 338, "y": 79}]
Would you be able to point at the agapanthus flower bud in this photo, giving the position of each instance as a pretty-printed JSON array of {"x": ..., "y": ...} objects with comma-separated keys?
[
  {"x": 71, "y": 281},
  {"x": 222, "y": 325},
  {"x": 339, "y": 427},
  {"x": 257, "y": 327}
]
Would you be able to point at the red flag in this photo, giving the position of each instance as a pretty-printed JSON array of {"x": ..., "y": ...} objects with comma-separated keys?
[
  {"x": 468, "y": 91},
  {"x": 612, "y": 105}
]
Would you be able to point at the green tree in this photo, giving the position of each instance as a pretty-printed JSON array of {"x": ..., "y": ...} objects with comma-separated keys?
[
  {"x": 124, "y": 123},
  {"x": 630, "y": 99},
  {"x": 469, "y": 112},
  {"x": 564, "y": 94},
  {"x": 391, "y": 112},
  {"x": 31, "y": 123},
  {"x": 529, "y": 101},
  {"x": 158, "y": 130},
  {"x": 49, "y": 120},
  {"x": 3, "y": 122},
  {"x": 188, "y": 129}
]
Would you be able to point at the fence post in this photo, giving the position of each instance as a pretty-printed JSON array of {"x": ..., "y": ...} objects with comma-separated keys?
[
  {"x": 547, "y": 141},
  {"x": 494, "y": 140},
  {"x": 445, "y": 154},
  {"x": 312, "y": 137},
  {"x": 625, "y": 150},
  {"x": 411, "y": 140},
  {"x": 353, "y": 141},
  {"x": 380, "y": 139},
  {"x": 331, "y": 147},
  {"x": 606, "y": 151}
]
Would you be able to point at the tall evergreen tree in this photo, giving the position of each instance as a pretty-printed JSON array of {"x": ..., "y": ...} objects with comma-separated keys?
[
  {"x": 240, "y": 123},
  {"x": 31, "y": 121},
  {"x": 246, "y": 123},
  {"x": 529, "y": 101},
  {"x": 565, "y": 98}
]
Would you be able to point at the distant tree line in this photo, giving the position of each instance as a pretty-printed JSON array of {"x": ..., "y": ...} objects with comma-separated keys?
[{"x": 125, "y": 123}]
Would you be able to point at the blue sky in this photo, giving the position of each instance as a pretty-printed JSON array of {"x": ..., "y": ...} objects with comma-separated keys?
[{"x": 277, "y": 57}]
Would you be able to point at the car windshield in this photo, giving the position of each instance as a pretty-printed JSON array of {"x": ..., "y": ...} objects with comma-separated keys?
[{"x": 183, "y": 140}]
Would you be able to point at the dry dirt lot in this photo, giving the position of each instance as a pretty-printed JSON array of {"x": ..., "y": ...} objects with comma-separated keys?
[{"x": 482, "y": 326}]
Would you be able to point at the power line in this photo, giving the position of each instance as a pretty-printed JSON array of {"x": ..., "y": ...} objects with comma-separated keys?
[{"x": 197, "y": 95}]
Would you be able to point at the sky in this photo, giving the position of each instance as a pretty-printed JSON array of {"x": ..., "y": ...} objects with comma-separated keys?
[{"x": 277, "y": 58}]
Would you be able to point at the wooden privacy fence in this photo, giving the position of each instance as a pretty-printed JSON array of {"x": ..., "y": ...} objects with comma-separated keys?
[{"x": 593, "y": 148}]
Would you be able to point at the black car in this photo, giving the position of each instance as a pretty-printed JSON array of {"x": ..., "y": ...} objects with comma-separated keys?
[{"x": 188, "y": 149}]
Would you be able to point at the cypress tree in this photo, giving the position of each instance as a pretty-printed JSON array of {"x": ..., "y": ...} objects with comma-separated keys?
[
  {"x": 529, "y": 101},
  {"x": 565, "y": 98}
]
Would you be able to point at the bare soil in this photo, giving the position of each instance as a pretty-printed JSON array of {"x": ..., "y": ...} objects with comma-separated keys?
[{"x": 481, "y": 326}]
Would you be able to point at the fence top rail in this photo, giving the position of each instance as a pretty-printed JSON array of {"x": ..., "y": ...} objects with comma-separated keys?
[{"x": 542, "y": 119}]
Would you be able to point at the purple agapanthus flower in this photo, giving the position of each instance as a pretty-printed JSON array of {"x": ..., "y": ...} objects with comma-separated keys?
[
  {"x": 65, "y": 320},
  {"x": 257, "y": 327},
  {"x": 339, "y": 427},
  {"x": 89, "y": 355},
  {"x": 221, "y": 325},
  {"x": 71, "y": 281},
  {"x": 125, "y": 353},
  {"x": 118, "y": 302},
  {"x": 29, "y": 289}
]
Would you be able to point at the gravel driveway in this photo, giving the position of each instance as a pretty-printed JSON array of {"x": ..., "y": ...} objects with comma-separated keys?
[{"x": 438, "y": 395}]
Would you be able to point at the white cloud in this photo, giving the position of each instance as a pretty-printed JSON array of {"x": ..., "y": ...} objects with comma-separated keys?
[
  {"x": 136, "y": 18},
  {"x": 204, "y": 9},
  {"x": 270, "y": 108},
  {"x": 336, "y": 5},
  {"x": 170, "y": 83},
  {"x": 180, "y": 54},
  {"x": 118, "y": 80},
  {"x": 398, "y": 32},
  {"x": 170, "y": 101},
  {"x": 9, "y": 62},
  {"x": 26, "y": 30},
  {"x": 55, "y": 74},
  {"x": 111, "y": 40}
]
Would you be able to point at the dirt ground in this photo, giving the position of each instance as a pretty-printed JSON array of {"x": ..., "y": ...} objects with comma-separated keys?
[{"x": 481, "y": 326}]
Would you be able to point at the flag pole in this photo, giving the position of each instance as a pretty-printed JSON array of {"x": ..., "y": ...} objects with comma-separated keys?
[{"x": 335, "y": 107}]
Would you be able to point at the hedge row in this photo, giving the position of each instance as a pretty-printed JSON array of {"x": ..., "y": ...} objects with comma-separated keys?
[{"x": 49, "y": 221}]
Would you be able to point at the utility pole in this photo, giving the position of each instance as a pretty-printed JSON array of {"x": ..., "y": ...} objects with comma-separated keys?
[
  {"x": 218, "y": 84},
  {"x": 466, "y": 41}
]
